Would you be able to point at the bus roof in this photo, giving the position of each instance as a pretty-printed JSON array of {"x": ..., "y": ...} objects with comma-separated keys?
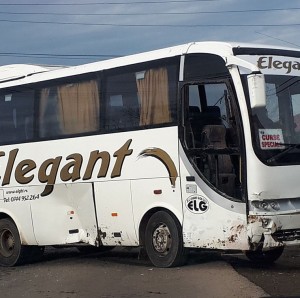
[
  {"x": 19, "y": 71},
  {"x": 21, "y": 74}
]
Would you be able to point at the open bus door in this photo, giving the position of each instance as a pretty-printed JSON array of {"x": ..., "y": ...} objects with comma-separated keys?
[{"x": 212, "y": 142}]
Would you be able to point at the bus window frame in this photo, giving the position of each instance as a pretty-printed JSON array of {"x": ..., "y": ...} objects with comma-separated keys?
[
  {"x": 100, "y": 76},
  {"x": 235, "y": 110},
  {"x": 139, "y": 67}
]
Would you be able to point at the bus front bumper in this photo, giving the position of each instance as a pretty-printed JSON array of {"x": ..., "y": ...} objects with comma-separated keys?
[{"x": 273, "y": 230}]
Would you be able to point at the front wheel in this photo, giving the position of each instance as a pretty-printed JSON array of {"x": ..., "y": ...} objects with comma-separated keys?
[
  {"x": 265, "y": 257},
  {"x": 163, "y": 241}
]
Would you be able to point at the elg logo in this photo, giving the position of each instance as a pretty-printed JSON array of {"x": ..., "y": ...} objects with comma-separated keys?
[{"x": 197, "y": 204}]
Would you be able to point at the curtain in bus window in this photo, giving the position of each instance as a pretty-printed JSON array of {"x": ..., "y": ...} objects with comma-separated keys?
[
  {"x": 153, "y": 91},
  {"x": 79, "y": 107},
  {"x": 49, "y": 118}
]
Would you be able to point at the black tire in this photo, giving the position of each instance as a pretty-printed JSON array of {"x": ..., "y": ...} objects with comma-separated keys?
[
  {"x": 163, "y": 241},
  {"x": 11, "y": 251},
  {"x": 265, "y": 257}
]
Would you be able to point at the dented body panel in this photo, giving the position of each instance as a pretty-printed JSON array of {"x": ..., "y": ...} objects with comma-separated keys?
[
  {"x": 66, "y": 216},
  {"x": 222, "y": 224},
  {"x": 69, "y": 211}
]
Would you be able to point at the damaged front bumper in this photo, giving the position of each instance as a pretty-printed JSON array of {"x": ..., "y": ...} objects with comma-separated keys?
[{"x": 270, "y": 231}]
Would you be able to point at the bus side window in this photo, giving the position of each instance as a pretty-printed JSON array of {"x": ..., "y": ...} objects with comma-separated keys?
[
  {"x": 16, "y": 117},
  {"x": 69, "y": 109},
  {"x": 140, "y": 96},
  {"x": 121, "y": 102},
  {"x": 154, "y": 98}
]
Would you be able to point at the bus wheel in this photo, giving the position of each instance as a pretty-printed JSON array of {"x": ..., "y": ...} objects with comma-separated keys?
[
  {"x": 163, "y": 241},
  {"x": 265, "y": 257},
  {"x": 11, "y": 251}
]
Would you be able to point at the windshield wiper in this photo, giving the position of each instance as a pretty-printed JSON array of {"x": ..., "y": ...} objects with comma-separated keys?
[{"x": 284, "y": 152}]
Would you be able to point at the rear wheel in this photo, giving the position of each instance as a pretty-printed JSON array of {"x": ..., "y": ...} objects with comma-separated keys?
[
  {"x": 11, "y": 251},
  {"x": 265, "y": 257},
  {"x": 163, "y": 241}
]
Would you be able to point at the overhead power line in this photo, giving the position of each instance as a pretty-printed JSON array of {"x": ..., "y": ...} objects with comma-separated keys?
[
  {"x": 57, "y": 58},
  {"x": 151, "y": 25},
  {"x": 64, "y": 56},
  {"x": 44, "y": 57},
  {"x": 149, "y": 13},
  {"x": 61, "y": 55},
  {"x": 105, "y": 3},
  {"x": 276, "y": 38}
]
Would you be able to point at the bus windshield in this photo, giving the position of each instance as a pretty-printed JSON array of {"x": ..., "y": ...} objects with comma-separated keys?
[{"x": 276, "y": 127}]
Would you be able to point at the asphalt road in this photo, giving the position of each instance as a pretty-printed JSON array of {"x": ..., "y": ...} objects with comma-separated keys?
[
  {"x": 282, "y": 279},
  {"x": 65, "y": 273}
]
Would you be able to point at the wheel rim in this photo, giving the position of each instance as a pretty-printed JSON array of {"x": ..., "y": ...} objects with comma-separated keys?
[
  {"x": 161, "y": 239},
  {"x": 7, "y": 243}
]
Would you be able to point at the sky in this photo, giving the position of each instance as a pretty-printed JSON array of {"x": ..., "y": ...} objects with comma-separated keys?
[{"x": 73, "y": 32}]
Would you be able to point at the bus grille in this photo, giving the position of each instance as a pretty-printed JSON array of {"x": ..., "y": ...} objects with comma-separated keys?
[{"x": 287, "y": 235}]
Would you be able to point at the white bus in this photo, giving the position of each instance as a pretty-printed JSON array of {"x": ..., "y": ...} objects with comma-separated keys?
[{"x": 193, "y": 146}]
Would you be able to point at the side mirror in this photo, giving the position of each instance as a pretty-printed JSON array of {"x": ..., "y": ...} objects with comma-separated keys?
[{"x": 257, "y": 90}]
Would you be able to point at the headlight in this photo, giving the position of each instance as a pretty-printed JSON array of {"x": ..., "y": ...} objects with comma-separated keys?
[
  {"x": 275, "y": 206},
  {"x": 266, "y": 205}
]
